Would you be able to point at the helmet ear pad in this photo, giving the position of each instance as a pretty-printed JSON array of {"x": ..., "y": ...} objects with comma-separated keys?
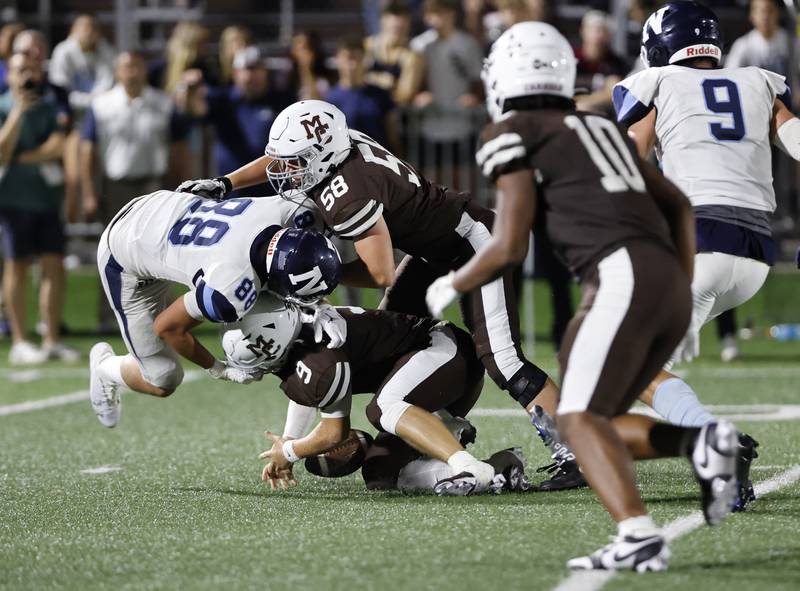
[{"x": 657, "y": 56}]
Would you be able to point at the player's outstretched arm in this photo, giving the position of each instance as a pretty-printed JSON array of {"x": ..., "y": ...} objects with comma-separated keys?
[
  {"x": 678, "y": 211},
  {"x": 173, "y": 326},
  {"x": 516, "y": 205},
  {"x": 786, "y": 130},
  {"x": 250, "y": 174},
  {"x": 374, "y": 266}
]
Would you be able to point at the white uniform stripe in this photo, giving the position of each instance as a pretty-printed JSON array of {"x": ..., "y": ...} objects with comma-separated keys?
[
  {"x": 493, "y": 298},
  {"x": 345, "y": 385},
  {"x": 597, "y": 332},
  {"x": 391, "y": 398},
  {"x": 501, "y": 141},
  {"x": 337, "y": 378},
  {"x": 355, "y": 218},
  {"x": 501, "y": 157},
  {"x": 371, "y": 221}
]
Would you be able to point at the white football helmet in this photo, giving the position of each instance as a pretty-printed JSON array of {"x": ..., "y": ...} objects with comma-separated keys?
[
  {"x": 306, "y": 141},
  {"x": 530, "y": 58},
  {"x": 261, "y": 340}
]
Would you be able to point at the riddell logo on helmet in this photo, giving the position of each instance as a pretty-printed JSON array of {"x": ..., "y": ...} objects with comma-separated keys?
[
  {"x": 702, "y": 50},
  {"x": 314, "y": 127}
]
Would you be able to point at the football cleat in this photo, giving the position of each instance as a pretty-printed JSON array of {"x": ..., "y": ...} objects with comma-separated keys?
[
  {"x": 564, "y": 472},
  {"x": 509, "y": 468},
  {"x": 463, "y": 431},
  {"x": 714, "y": 458},
  {"x": 645, "y": 554},
  {"x": 747, "y": 453},
  {"x": 462, "y": 484},
  {"x": 104, "y": 394}
]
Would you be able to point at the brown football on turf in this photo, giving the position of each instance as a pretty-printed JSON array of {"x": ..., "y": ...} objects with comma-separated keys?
[{"x": 343, "y": 459}]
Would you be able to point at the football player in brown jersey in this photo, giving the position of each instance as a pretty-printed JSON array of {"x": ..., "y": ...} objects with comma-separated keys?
[
  {"x": 628, "y": 235},
  {"x": 412, "y": 367},
  {"x": 368, "y": 195}
]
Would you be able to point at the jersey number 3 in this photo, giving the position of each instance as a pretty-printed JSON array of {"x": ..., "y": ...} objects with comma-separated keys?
[{"x": 609, "y": 152}]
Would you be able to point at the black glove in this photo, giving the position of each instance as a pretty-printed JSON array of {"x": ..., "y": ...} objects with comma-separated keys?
[{"x": 216, "y": 189}]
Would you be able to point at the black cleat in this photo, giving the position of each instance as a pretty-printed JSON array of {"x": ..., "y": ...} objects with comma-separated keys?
[
  {"x": 564, "y": 471},
  {"x": 747, "y": 453},
  {"x": 714, "y": 460},
  {"x": 509, "y": 467}
]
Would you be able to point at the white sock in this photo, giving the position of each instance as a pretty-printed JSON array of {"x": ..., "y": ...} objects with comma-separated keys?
[
  {"x": 639, "y": 527},
  {"x": 111, "y": 369},
  {"x": 675, "y": 400},
  {"x": 423, "y": 474}
]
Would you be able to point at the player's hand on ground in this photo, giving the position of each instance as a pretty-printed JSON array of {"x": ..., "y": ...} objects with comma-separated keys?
[
  {"x": 222, "y": 371},
  {"x": 216, "y": 188},
  {"x": 278, "y": 471},
  {"x": 327, "y": 320},
  {"x": 441, "y": 294}
]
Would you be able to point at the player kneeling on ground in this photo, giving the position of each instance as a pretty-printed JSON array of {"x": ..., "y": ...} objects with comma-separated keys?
[
  {"x": 225, "y": 253},
  {"x": 413, "y": 366}
]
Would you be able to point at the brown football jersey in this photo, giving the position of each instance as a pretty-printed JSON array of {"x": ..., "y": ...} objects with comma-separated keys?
[
  {"x": 317, "y": 376},
  {"x": 590, "y": 191},
  {"x": 372, "y": 182}
]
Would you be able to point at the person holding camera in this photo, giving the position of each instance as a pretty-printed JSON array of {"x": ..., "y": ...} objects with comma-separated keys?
[{"x": 31, "y": 193}]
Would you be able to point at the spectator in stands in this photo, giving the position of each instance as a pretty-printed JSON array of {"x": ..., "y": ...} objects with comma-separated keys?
[
  {"x": 511, "y": 12},
  {"x": 134, "y": 133},
  {"x": 240, "y": 114},
  {"x": 599, "y": 69},
  {"x": 767, "y": 45},
  {"x": 187, "y": 49},
  {"x": 7, "y": 34},
  {"x": 31, "y": 190},
  {"x": 32, "y": 43},
  {"x": 233, "y": 39},
  {"x": 452, "y": 90},
  {"x": 308, "y": 76},
  {"x": 391, "y": 63},
  {"x": 365, "y": 106}
]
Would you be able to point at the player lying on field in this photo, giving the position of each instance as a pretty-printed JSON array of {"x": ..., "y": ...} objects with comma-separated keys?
[
  {"x": 412, "y": 367},
  {"x": 628, "y": 235},
  {"x": 369, "y": 196},
  {"x": 225, "y": 253}
]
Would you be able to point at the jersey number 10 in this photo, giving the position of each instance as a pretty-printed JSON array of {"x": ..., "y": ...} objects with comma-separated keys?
[{"x": 609, "y": 152}]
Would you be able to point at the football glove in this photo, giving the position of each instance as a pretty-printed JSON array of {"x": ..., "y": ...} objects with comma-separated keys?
[
  {"x": 222, "y": 371},
  {"x": 326, "y": 319},
  {"x": 215, "y": 189},
  {"x": 441, "y": 294}
]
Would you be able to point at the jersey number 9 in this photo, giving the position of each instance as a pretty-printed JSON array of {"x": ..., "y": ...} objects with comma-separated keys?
[{"x": 730, "y": 105}]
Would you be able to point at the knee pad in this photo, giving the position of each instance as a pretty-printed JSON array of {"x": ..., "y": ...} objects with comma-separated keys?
[
  {"x": 162, "y": 371},
  {"x": 526, "y": 384}
]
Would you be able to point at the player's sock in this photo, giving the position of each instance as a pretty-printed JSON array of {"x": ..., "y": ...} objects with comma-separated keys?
[
  {"x": 675, "y": 400},
  {"x": 111, "y": 369},
  {"x": 638, "y": 527},
  {"x": 423, "y": 474}
]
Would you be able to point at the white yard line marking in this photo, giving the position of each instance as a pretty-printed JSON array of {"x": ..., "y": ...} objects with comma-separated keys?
[
  {"x": 61, "y": 400},
  {"x": 739, "y": 412},
  {"x": 102, "y": 470},
  {"x": 595, "y": 580}
]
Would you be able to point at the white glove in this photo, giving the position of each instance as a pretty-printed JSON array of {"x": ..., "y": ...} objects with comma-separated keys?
[
  {"x": 463, "y": 461},
  {"x": 326, "y": 319},
  {"x": 222, "y": 371},
  {"x": 216, "y": 188},
  {"x": 441, "y": 294}
]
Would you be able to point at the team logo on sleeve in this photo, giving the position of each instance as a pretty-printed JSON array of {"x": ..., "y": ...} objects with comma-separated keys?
[{"x": 314, "y": 127}]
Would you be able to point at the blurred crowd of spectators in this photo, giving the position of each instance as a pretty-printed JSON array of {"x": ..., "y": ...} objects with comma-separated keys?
[{"x": 84, "y": 129}]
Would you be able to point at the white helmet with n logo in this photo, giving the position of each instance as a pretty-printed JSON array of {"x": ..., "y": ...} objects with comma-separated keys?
[{"x": 306, "y": 141}]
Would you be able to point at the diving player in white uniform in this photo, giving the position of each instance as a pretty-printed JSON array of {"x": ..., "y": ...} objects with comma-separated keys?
[
  {"x": 221, "y": 251},
  {"x": 711, "y": 128}
]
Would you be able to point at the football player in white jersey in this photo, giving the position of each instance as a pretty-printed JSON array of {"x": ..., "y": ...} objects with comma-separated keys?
[
  {"x": 711, "y": 128},
  {"x": 225, "y": 253}
]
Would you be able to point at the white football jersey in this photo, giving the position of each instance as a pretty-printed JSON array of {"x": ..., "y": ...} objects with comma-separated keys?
[
  {"x": 712, "y": 129},
  {"x": 203, "y": 244}
]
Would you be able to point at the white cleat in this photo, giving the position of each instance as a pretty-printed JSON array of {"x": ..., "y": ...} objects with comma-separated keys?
[
  {"x": 25, "y": 353},
  {"x": 714, "y": 461},
  {"x": 640, "y": 554},
  {"x": 103, "y": 393},
  {"x": 460, "y": 485}
]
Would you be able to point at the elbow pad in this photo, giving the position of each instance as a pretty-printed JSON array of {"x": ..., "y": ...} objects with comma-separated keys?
[{"x": 787, "y": 138}]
